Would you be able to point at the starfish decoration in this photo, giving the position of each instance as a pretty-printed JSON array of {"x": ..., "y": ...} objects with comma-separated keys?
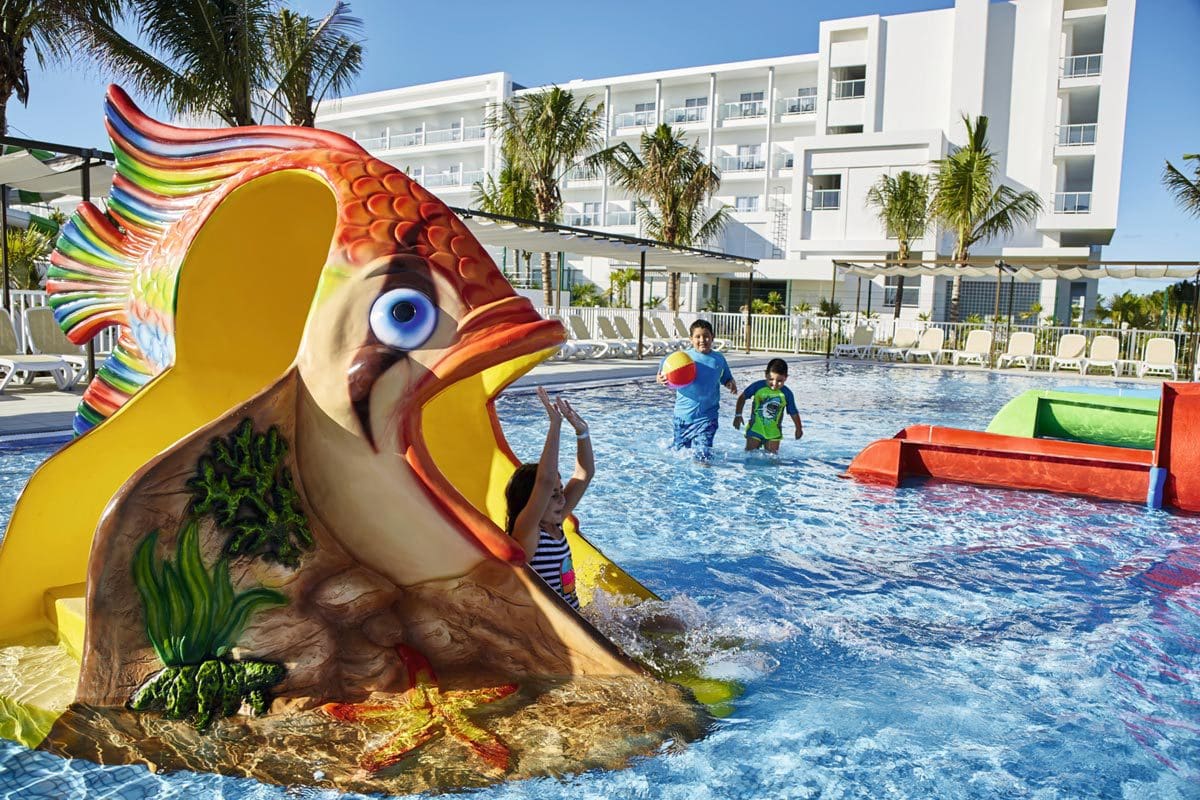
[{"x": 423, "y": 710}]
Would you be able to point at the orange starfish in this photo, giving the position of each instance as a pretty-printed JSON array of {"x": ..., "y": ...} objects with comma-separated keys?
[{"x": 419, "y": 714}]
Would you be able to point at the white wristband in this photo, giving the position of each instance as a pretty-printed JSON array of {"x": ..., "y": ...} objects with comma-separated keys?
[{"x": 583, "y": 435}]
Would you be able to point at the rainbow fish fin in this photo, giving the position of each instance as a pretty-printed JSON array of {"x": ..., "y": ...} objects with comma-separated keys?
[{"x": 115, "y": 267}]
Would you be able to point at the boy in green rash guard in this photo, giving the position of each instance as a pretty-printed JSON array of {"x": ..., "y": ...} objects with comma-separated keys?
[{"x": 770, "y": 399}]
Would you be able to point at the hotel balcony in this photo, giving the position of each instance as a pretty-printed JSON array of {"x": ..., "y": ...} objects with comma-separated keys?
[
  {"x": 421, "y": 138},
  {"x": 785, "y": 162},
  {"x": 1085, "y": 66},
  {"x": 749, "y": 109},
  {"x": 826, "y": 199},
  {"x": 730, "y": 164},
  {"x": 619, "y": 218},
  {"x": 850, "y": 90},
  {"x": 583, "y": 176},
  {"x": 581, "y": 220},
  {"x": 1075, "y": 140},
  {"x": 799, "y": 106},
  {"x": 1073, "y": 203},
  {"x": 686, "y": 115},
  {"x": 635, "y": 119},
  {"x": 447, "y": 179}
]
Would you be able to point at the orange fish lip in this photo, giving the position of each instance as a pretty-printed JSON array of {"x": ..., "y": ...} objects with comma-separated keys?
[{"x": 491, "y": 335}]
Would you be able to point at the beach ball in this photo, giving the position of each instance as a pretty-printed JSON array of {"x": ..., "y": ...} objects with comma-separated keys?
[{"x": 679, "y": 369}]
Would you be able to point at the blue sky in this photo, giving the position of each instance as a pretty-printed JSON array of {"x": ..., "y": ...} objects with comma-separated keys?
[{"x": 554, "y": 42}]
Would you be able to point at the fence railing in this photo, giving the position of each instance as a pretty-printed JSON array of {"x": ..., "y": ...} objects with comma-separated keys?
[
  {"x": 1085, "y": 66},
  {"x": 812, "y": 333}
]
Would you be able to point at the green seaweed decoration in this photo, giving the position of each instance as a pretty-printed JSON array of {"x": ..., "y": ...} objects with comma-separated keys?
[
  {"x": 243, "y": 482},
  {"x": 193, "y": 619}
]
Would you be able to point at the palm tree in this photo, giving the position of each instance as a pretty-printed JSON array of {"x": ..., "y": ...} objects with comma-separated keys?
[
  {"x": 1185, "y": 189},
  {"x": 51, "y": 29},
  {"x": 28, "y": 250},
  {"x": 543, "y": 134},
  {"x": 902, "y": 203},
  {"x": 215, "y": 57},
  {"x": 673, "y": 185},
  {"x": 312, "y": 59},
  {"x": 508, "y": 194},
  {"x": 967, "y": 201}
]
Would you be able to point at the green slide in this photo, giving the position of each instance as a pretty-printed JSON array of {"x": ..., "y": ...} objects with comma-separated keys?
[{"x": 1121, "y": 421}]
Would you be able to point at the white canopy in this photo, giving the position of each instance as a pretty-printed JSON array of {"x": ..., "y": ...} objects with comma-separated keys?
[
  {"x": 535, "y": 237},
  {"x": 1024, "y": 270},
  {"x": 54, "y": 177}
]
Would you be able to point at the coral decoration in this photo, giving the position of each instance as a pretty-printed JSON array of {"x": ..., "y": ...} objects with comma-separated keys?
[
  {"x": 198, "y": 692},
  {"x": 423, "y": 710},
  {"x": 245, "y": 484}
]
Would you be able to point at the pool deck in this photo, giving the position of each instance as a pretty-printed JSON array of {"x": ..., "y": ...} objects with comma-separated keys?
[{"x": 35, "y": 410}]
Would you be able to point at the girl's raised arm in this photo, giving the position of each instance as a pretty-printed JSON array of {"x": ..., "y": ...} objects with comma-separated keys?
[
  {"x": 525, "y": 527},
  {"x": 585, "y": 463}
]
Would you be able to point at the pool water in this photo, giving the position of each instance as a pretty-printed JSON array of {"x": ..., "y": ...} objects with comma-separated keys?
[{"x": 933, "y": 641}]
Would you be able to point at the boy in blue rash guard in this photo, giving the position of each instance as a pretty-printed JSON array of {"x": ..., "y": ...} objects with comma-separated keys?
[
  {"x": 769, "y": 400},
  {"x": 698, "y": 405}
]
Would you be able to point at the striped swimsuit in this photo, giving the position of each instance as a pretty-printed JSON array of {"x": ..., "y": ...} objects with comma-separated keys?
[{"x": 552, "y": 562}]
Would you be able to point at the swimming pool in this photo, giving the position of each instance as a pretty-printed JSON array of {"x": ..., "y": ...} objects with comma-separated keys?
[{"x": 936, "y": 641}]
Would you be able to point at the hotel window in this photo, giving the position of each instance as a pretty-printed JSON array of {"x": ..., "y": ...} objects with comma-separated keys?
[
  {"x": 591, "y": 214},
  {"x": 826, "y": 192},
  {"x": 746, "y": 203},
  {"x": 643, "y": 113},
  {"x": 912, "y": 291}
]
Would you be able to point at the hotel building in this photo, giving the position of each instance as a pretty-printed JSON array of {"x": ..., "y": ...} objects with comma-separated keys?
[{"x": 801, "y": 139}]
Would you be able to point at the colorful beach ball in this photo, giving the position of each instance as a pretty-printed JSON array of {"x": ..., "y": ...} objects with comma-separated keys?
[{"x": 679, "y": 369}]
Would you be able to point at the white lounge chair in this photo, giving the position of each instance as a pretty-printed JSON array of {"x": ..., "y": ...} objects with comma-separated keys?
[
  {"x": 581, "y": 337},
  {"x": 902, "y": 341},
  {"x": 660, "y": 328},
  {"x": 977, "y": 350},
  {"x": 860, "y": 343},
  {"x": 1104, "y": 352},
  {"x": 13, "y": 362},
  {"x": 929, "y": 346},
  {"x": 615, "y": 340},
  {"x": 1069, "y": 353},
  {"x": 1158, "y": 358},
  {"x": 43, "y": 336},
  {"x": 1020, "y": 350},
  {"x": 651, "y": 329},
  {"x": 651, "y": 345}
]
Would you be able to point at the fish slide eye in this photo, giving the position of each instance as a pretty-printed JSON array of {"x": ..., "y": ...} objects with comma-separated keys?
[{"x": 403, "y": 318}]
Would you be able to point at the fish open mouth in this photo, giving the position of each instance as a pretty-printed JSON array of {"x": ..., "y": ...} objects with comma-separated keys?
[{"x": 457, "y": 447}]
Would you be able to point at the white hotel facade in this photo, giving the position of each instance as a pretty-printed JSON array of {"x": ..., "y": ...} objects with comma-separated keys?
[{"x": 800, "y": 139}]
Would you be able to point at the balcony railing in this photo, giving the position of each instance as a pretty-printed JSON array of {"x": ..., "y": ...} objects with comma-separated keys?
[
  {"x": 399, "y": 141},
  {"x": 826, "y": 199},
  {"x": 803, "y": 104},
  {"x": 635, "y": 119},
  {"x": 742, "y": 163},
  {"x": 622, "y": 218},
  {"x": 444, "y": 135},
  {"x": 684, "y": 114},
  {"x": 747, "y": 109},
  {"x": 581, "y": 220},
  {"x": 848, "y": 90},
  {"x": 1073, "y": 203},
  {"x": 1085, "y": 66},
  {"x": 448, "y": 178},
  {"x": 1077, "y": 135},
  {"x": 582, "y": 174}
]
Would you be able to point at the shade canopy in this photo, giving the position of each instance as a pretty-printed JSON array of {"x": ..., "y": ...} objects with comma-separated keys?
[
  {"x": 540, "y": 237},
  {"x": 1024, "y": 269},
  {"x": 34, "y": 172}
]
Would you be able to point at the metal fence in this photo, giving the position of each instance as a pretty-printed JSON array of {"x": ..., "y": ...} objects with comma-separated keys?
[{"x": 811, "y": 333}]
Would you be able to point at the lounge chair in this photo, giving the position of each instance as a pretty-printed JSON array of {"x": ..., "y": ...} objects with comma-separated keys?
[
  {"x": 672, "y": 344},
  {"x": 650, "y": 346},
  {"x": 567, "y": 350},
  {"x": 1158, "y": 357},
  {"x": 1069, "y": 352},
  {"x": 1020, "y": 349},
  {"x": 977, "y": 350},
  {"x": 860, "y": 343},
  {"x": 930, "y": 346},
  {"x": 1104, "y": 352},
  {"x": 615, "y": 340},
  {"x": 660, "y": 328},
  {"x": 581, "y": 337},
  {"x": 720, "y": 345},
  {"x": 43, "y": 336},
  {"x": 903, "y": 340},
  {"x": 14, "y": 362}
]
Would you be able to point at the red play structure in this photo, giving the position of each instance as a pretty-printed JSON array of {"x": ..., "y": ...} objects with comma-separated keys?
[{"x": 1168, "y": 476}]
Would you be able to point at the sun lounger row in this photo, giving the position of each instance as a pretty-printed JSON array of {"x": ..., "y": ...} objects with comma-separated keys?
[
  {"x": 1072, "y": 351},
  {"x": 616, "y": 338}
]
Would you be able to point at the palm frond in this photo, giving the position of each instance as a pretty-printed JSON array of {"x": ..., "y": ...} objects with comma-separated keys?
[{"x": 1185, "y": 189}]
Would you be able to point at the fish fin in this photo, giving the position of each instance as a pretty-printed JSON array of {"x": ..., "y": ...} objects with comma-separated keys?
[{"x": 99, "y": 271}]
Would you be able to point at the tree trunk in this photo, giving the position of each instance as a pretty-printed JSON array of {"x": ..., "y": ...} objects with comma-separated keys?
[
  {"x": 673, "y": 291},
  {"x": 899, "y": 297},
  {"x": 955, "y": 291},
  {"x": 547, "y": 281}
]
